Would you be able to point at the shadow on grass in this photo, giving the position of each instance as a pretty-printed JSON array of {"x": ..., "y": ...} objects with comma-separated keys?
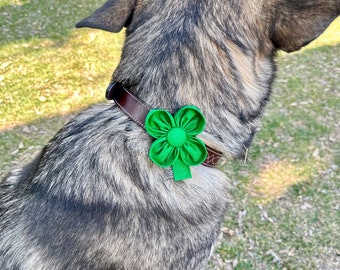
[
  {"x": 42, "y": 19},
  {"x": 20, "y": 144}
]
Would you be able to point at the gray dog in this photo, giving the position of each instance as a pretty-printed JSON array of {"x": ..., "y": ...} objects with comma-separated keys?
[{"x": 99, "y": 196}]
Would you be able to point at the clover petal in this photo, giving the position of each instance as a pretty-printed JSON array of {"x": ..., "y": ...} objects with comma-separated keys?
[
  {"x": 158, "y": 123},
  {"x": 193, "y": 152},
  {"x": 190, "y": 119},
  {"x": 162, "y": 153}
]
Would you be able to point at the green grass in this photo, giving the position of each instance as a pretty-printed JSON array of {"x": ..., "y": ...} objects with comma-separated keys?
[
  {"x": 285, "y": 213},
  {"x": 48, "y": 70},
  {"x": 39, "y": 48}
]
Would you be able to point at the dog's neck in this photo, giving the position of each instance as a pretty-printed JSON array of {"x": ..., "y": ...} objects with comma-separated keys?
[{"x": 177, "y": 63}]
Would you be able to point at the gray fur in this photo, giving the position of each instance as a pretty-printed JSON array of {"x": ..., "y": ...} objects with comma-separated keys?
[{"x": 93, "y": 199}]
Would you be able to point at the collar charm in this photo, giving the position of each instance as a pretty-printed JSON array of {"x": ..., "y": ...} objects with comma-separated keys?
[{"x": 176, "y": 144}]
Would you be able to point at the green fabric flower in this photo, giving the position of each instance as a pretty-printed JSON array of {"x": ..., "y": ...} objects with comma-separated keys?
[{"x": 176, "y": 144}]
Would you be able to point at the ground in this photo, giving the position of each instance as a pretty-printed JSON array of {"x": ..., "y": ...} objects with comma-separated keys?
[{"x": 285, "y": 211}]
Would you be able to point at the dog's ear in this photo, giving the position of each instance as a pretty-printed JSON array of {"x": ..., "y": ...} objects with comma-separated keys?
[
  {"x": 298, "y": 22},
  {"x": 112, "y": 16}
]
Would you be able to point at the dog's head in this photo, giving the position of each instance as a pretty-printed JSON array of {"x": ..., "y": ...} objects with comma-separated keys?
[
  {"x": 214, "y": 54},
  {"x": 287, "y": 24}
]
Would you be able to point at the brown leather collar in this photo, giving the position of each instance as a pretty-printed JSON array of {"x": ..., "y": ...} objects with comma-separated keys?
[{"x": 137, "y": 110}]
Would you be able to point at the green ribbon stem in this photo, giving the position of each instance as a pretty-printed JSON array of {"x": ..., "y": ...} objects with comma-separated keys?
[{"x": 181, "y": 170}]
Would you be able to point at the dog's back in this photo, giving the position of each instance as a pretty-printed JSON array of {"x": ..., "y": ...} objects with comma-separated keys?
[{"x": 93, "y": 199}]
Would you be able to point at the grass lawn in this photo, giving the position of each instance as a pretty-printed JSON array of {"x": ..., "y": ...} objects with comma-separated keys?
[{"x": 285, "y": 213}]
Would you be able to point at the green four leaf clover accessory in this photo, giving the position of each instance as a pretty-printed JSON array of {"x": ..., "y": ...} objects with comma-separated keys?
[{"x": 176, "y": 144}]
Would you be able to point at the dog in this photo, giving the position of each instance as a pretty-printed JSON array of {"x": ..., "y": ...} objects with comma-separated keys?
[{"x": 93, "y": 198}]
